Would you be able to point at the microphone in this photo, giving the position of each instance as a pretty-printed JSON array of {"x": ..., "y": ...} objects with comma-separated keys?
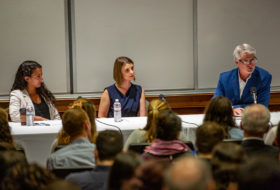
[
  {"x": 253, "y": 91},
  {"x": 162, "y": 97}
]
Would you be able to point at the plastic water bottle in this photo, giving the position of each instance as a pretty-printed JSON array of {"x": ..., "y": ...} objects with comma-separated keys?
[
  {"x": 117, "y": 111},
  {"x": 29, "y": 115}
]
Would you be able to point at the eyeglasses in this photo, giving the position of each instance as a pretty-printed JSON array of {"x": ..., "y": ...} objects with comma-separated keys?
[{"x": 253, "y": 61}]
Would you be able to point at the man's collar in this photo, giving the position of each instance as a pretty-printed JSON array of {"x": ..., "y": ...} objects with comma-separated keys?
[{"x": 252, "y": 138}]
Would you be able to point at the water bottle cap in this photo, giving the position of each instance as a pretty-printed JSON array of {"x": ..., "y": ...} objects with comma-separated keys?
[{"x": 116, "y": 100}]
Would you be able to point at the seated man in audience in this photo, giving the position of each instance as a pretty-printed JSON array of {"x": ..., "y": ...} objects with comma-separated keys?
[
  {"x": 78, "y": 154},
  {"x": 188, "y": 173},
  {"x": 259, "y": 173},
  {"x": 208, "y": 135},
  {"x": 108, "y": 144},
  {"x": 255, "y": 123}
]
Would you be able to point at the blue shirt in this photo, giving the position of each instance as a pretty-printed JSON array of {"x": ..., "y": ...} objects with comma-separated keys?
[
  {"x": 95, "y": 179},
  {"x": 130, "y": 102}
]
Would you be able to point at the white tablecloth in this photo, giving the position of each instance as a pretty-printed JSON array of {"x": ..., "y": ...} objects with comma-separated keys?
[{"x": 37, "y": 140}]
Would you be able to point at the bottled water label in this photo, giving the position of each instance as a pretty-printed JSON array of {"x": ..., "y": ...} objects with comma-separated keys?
[
  {"x": 117, "y": 111},
  {"x": 29, "y": 116}
]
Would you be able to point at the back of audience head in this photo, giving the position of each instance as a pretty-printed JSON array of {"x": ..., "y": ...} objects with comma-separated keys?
[
  {"x": 208, "y": 135},
  {"x": 226, "y": 161},
  {"x": 8, "y": 159},
  {"x": 277, "y": 138},
  {"x": 122, "y": 173},
  {"x": 188, "y": 173},
  {"x": 169, "y": 125},
  {"x": 219, "y": 110},
  {"x": 5, "y": 146},
  {"x": 255, "y": 120},
  {"x": 75, "y": 123},
  {"x": 259, "y": 173},
  {"x": 61, "y": 185},
  {"x": 5, "y": 132},
  {"x": 155, "y": 107},
  {"x": 88, "y": 107},
  {"x": 4, "y": 113},
  {"x": 24, "y": 176},
  {"x": 108, "y": 144},
  {"x": 151, "y": 174},
  {"x": 63, "y": 138}
]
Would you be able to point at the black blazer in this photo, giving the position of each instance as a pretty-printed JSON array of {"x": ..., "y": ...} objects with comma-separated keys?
[{"x": 255, "y": 147}]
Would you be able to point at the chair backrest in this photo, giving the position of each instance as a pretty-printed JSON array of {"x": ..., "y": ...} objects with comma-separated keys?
[
  {"x": 138, "y": 147},
  {"x": 63, "y": 172}
]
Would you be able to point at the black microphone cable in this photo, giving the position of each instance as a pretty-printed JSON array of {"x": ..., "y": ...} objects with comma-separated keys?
[{"x": 110, "y": 126}]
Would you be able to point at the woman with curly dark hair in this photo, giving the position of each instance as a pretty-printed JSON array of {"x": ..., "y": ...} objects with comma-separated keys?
[
  {"x": 219, "y": 110},
  {"x": 29, "y": 89}
]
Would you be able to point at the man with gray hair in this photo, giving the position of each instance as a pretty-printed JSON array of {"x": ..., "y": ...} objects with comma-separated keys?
[
  {"x": 255, "y": 123},
  {"x": 238, "y": 84},
  {"x": 188, "y": 173}
]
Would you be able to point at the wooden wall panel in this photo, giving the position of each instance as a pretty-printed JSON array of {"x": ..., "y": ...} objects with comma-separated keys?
[{"x": 181, "y": 104}]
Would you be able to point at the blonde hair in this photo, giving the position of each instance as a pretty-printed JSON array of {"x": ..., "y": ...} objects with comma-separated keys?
[
  {"x": 117, "y": 72},
  {"x": 154, "y": 108},
  {"x": 86, "y": 105}
]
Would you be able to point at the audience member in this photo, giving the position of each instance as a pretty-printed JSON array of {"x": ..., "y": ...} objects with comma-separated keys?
[
  {"x": 5, "y": 131},
  {"x": 61, "y": 185},
  {"x": 29, "y": 89},
  {"x": 208, "y": 135},
  {"x": 108, "y": 144},
  {"x": 151, "y": 174},
  {"x": 5, "y": 146},
  {"x": 63, "y": 138},
  {"x": 272, "y": 137},
  {"x": 76, "y": 123},
  {"x": 188, "y": 173},
  {"x": 226, "y": 161},
  {"x": 24, "y": 176},
  {"x": 131, "y": 96},
  {"x": 255, "y": 123},
  {"x": 166, "y": 145},
  {"x": 8, "y": 159},
  {"x": 148, "y": 133},
  {"x": 219, "y": 110},
  {"x": 123, "y": 172},
  {"x": 259, "y": 174}
]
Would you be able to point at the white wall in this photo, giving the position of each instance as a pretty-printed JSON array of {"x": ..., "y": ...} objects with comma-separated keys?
[
  {"x": 223, "y": 24},
  {"x": 33, "y": 29},
  {"x": 157, "y": 34}
]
